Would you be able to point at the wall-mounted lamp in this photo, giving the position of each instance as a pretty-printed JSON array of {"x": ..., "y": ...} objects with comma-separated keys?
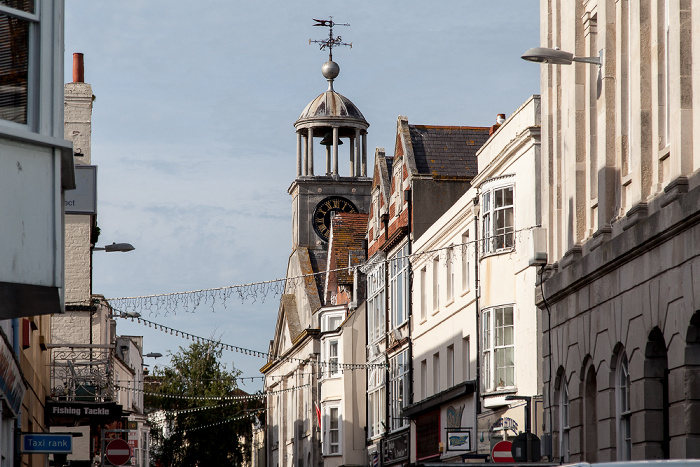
[
  {"x": 154, "y": 354},
  {"x": 114, "y": 247},
  {"x": 558, "y": 57}
]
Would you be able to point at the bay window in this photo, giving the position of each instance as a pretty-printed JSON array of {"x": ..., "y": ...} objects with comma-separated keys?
[
  {"x": 376, "y": 315},
  {"x": 497, "y": 219},
  {"x": 331, "y": 430},
  {"x": 498, "y": 344},
  {"x": 398, "y": 280},
  {"x": 399, "y": 386},
  {"x": 376, "y": 400}
]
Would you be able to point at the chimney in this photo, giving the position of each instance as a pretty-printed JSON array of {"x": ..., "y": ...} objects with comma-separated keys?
[
  {"x": 78, "y": 70},
  {"x": 500, "y": 118}
]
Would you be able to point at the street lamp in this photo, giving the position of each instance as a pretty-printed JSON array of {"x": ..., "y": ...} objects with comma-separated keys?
[
  {"x": 558, "y": 57},
  {"x": 115, "y": 247},
  {"x": 153, "y": 354}
]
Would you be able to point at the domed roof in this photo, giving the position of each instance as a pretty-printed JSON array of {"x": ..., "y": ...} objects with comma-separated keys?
[{"x": 330, "y": 104}]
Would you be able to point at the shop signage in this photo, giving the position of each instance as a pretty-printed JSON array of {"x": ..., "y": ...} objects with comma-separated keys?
[
  {"x": 395, "y": 449},
  {"x": 11, "y": 382},
  {"x": 73, "y": 413},
  {"x": 459, "y": 440},
  {"x": 505, "y": 424},
  {"x": 47, "y": 443},
  {"x": 83, "y": 200}
]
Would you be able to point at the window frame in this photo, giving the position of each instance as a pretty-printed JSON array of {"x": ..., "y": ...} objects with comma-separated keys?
[
  {"x": 465, "y": 261},
  {"x": 491, "y": 348},
  {"x": 623, "y": 413},
  {"x": 436, "y": 284},
  {"x": 399, "y": 286},
  {"x": 491, "y": 233},
  {"x": 34, "y": 25},
  {"x": 328, "y": 429},
  {"x": 564, "y": 417},
  {"x": 376, "y": 399},
  {"x": 399, "y": 384},
  {"x": 376, "y": 304},
  {"x": 449, "y": 275}
]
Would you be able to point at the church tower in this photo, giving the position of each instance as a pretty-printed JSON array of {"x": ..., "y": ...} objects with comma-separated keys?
[{"x": 327, "y": 123}]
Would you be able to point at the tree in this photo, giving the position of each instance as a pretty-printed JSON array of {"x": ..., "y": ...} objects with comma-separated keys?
[{"x": 212, "y": 435}]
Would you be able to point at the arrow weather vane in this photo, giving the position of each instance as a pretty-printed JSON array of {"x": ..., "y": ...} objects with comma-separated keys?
[{"x": 331, "y": 41}]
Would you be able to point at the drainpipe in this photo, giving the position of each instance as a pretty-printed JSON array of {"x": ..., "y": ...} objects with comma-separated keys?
[
  {"x": 477, "y": 294},
  {"x": 407, "y": 198},
  {"x": 18, "y": 423}
]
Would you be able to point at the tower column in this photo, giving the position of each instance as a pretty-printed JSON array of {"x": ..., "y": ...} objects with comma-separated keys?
[
  {"x": 310, "y": 170},
  {"x": 364, "y": 154},
  {"x": 305, "y": 163},
  {"x": 328, "y": 159},
  {"x": 358, "y": 157},
  {"x": 298, "y": 154},
  {"x": 335, "y": 150},
  {"x": 352, "y": 156}
]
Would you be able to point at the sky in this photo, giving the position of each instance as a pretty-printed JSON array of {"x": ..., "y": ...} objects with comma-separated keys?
[{"x": 193, "y": 136}]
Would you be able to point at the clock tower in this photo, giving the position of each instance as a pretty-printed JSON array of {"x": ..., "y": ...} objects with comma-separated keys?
[{"x": 330, "y": 129}]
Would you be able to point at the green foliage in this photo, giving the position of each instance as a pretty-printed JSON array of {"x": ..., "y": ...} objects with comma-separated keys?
[{"x": 187, "y": 439}]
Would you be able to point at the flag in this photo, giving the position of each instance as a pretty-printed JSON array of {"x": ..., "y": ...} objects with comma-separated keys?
[{"x": 318, "y": 413}]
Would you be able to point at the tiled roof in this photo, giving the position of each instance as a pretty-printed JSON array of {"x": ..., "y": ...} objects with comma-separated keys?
[
  {"x": 447, "y": 151},
  {"x": 348, "y": 232}
]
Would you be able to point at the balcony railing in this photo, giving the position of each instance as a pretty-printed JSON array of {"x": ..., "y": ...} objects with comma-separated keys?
[{"x": 82, "y": 374}]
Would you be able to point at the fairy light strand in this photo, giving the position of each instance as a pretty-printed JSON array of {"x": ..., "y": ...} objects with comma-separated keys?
[
  {"x": 189, "y": 301},
  {"x": 245, "y": 351}
]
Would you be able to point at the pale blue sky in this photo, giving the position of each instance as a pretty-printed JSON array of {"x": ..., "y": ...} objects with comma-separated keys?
[{"x": 193, "y": 127}]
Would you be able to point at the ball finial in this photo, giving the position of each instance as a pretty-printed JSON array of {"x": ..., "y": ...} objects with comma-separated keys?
[{"x": 330, "y": 70}]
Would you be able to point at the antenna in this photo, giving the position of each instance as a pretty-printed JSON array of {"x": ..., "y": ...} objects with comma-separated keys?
[{"x": 331, "y": 41}]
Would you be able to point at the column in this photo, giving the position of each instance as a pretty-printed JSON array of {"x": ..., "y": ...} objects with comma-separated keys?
[
  {"x": 305, "y": 162},
  {"x": 358, "y": 158},
  {"x": 335, "y": 150},
  {"x": 298, "y": 154},
  {"x": 364, "y": 154},
  {"x": 352, "y": 156},
  {"x": 310, "y": 170},
  {"x": 328, "y": 159}
]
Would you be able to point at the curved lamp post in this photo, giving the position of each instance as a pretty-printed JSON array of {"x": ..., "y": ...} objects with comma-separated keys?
[
  {"x": 558, "y": 57},
  {"x": 114, "y": 247}
]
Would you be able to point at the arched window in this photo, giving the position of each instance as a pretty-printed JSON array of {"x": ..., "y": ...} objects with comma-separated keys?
[
  {"x": 564, "y": 420},
  {"x": 622, "y": 409}
]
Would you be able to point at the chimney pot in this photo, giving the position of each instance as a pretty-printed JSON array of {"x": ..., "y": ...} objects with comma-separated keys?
[
  {"x": 78, "y": 69},
  {"x": 500, "y": 118}
]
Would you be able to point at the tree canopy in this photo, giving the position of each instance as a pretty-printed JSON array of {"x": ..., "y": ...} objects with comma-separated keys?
[{"x": 192, "y": 425}]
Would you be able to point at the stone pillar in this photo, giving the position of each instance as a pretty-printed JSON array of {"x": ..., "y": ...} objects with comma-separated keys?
[
  {"x": 352, "y": 156},
  {"x": 328, "y": 159},
  {"x": 305, "y": 163},
  {"x": 364, "y": 154},
  {"x": 298, "y": 154},
  {"x": 358, "y": 157},
  {"x": 310, "y": 169},
  {"x": 335, "y": 150}
]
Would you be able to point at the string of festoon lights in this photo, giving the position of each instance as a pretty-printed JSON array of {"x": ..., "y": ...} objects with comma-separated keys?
[
  {"x": 228, "y": 420},
  {"x": 261, "y": 395},
  {"x": 243, "y": 350},
  {"x": 155, "y": 381},
  {"x": 190, "y": 301}
]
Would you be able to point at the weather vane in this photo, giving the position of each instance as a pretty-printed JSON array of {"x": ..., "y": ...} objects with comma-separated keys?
[{"x": 331, "y": 41}]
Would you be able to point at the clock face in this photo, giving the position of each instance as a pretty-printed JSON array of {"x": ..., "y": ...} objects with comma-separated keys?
[{"x": 322, "y": 214}]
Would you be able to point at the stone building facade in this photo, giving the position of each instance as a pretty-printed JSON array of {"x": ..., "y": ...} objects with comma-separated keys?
[{"x": 621, "y": 197}]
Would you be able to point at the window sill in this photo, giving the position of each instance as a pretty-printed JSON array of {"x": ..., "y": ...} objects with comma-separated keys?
[
  {"x": 435, "y": 311},
  {"x": 450, "y": 302},
  {"x": 502, "y": 251}
]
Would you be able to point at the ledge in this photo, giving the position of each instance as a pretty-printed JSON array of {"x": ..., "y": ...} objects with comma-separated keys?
[{"x": 464, "y": 388}]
